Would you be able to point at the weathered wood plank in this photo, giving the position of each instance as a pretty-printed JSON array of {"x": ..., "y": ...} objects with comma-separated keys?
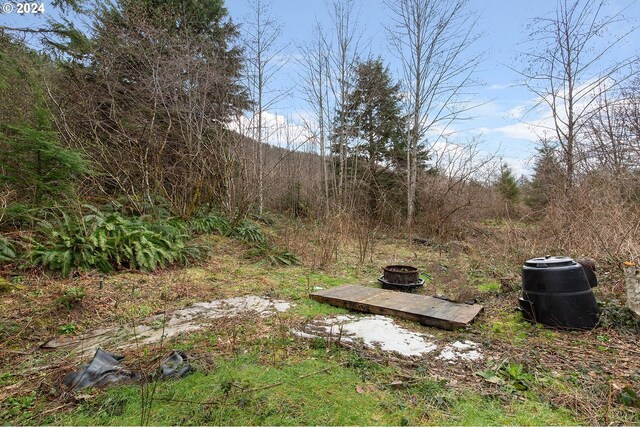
[{"x": 424, "y": 309}]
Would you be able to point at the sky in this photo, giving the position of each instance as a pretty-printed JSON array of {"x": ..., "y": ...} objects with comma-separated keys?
[
  {"x": 504, "y": 25},
  {"x": 502, "y": 100}
]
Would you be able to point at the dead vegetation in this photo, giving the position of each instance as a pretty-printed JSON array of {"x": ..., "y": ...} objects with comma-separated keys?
[{"x": 584, "y": 372}]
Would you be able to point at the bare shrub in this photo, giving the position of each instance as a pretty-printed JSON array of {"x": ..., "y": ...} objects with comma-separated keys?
[
  {"x": 455, "y": 193},
  {"x": 597, "y": 219},
  {"x": 328, "y": 237},
  {"x": 367, "y": 233}
]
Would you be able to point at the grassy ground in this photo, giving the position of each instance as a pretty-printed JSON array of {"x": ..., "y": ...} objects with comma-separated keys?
[{"x": 252, "y": 372}]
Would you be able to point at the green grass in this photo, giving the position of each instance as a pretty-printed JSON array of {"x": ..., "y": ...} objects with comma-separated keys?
[
  {"x": 311, "y": 309},
  {"x": 324, "y": 280},
  {"x": 489, "y": 287},
  {"x": 243, "y": 392},
  {"x": 472, "y": 409},
  {"x": 335, "y": 388}
]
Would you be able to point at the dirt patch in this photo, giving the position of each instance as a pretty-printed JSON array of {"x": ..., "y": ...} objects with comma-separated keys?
[{"x": 158, "y": 328}]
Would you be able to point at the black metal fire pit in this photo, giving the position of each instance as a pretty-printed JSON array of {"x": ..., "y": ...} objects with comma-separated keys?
[
  {"x": 401, "y": 278},
  {"x": 400, "y": 274}
]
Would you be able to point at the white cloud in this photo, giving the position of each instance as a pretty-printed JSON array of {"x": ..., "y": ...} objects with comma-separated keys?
[
  {"x": 524, "y": 131},
  {"x": 500, "y": 86},
  {"x": 519, "y": 167},
  {"x": 278, "y": 130}
]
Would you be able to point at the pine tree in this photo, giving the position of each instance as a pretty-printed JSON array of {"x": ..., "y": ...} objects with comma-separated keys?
[
  {"x": 507, "y": 185},
  {"x": 35, "y": 167},
  {"x": 373, "y": 124},
  {"x": 547, "y": 177},
  {"x": 372, "y": 114}
]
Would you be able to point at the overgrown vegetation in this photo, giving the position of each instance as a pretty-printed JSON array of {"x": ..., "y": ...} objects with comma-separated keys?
[
  {"x": 106, "y": 242},
  {"x": 128, "y": 153},
  {"x": 7, "y": 250},
  {"x": 110, "y": 241}
]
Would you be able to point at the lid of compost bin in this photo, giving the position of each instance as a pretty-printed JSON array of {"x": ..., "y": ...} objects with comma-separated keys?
[{"x": 550, "y": 262}]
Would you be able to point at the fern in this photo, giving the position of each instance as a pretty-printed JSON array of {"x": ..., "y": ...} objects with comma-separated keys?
[
  {"x": 249, "y": 232},
  {"x": 71, "y": 297},
  {"x": 7, "y": 250},
  {"x": 109, "y": 241},
  {"x": 273, "y": 255},
  {"x": 210, "y": 224},
  {"x": 283, "y": 257},
  {"x": 67, "y": 246}
]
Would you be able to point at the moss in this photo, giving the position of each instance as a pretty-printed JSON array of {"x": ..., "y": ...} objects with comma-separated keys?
[
  {"x": 510, "y": 327},
  {"x": 489, "y": 287}
]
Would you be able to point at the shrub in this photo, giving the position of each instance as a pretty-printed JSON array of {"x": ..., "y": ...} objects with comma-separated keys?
[
  {"x": 273, "y": 255},
  {"x": 109, "y": 241},
  {"x": 248, "y": 232},
  {"x": 210, "y": 224},
  {"x": 7, "y": 250},
  {"x": 69, "y": 245},
  {"x": 67, "y": 329},
  {"x": 71, "y": 297},
  {"x": 37, "y": 166},
  {"x": 614, "y": 314}
]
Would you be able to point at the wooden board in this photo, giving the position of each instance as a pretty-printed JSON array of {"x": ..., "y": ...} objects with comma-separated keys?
[{"x": 424, "y": 309}]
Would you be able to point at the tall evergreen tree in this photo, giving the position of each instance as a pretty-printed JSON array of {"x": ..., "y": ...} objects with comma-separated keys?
[
  {"x": 35, "y": 168},
  {"x": 151, "y": 99},
  {"x": 547, "y": 178},
  {"x": 372, "y": 121},
  {"x": 372, "y": 114}
]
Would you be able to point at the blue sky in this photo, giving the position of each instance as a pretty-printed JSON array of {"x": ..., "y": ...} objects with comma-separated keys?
[{"x": 504, "y": 25}]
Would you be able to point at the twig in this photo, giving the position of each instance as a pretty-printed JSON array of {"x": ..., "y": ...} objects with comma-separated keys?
[
  {"x": 31, "y": 30},
  {"x": 268, "y": 386},
  {"x": 282, "y": 382},
  {"x": 55, "y": 409},
  {"x": 196, "y": 402}
]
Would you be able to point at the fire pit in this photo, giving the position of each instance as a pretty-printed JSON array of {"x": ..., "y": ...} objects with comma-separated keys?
[{"x": 400, "y": 278}]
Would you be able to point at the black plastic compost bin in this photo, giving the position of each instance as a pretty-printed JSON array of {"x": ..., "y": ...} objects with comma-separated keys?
[{"x": 556, "y": 291}]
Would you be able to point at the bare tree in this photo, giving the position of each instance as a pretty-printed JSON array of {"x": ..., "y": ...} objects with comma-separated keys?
[
  {"x": 264, "y": 60},
  {"x": 608, "y": 137},
  {"x": 342, "y": 58},
  {"x": 462, "y": 171},
  {"x": 631, "y": 107},
  {"x": 315, "y": 63},
  {"x": 571, "y": 69},
  {"x": 433, "y": 40}
]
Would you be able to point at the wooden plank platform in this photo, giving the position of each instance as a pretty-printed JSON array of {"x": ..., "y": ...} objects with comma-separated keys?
[{"x": 424, "y": 309}]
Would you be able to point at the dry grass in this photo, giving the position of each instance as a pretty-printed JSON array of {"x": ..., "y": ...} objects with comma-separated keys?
[{"x": 580, "y": 371}]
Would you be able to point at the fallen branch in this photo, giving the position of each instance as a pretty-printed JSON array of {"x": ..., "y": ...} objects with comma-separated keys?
[
  {"x": 282, "y": 382},
  {"x": 55, "y": 409},
  {"x": 251, "y": 390}
]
